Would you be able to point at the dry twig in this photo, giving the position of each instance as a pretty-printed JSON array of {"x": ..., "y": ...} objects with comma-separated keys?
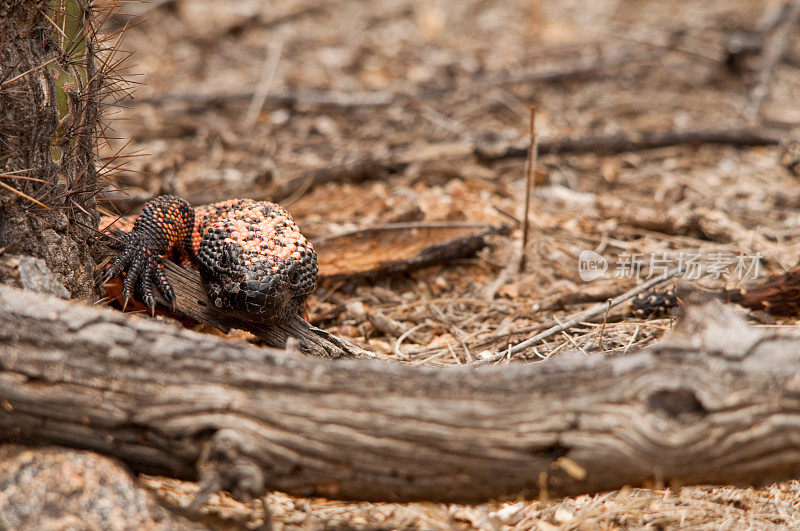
[
  {"x": 635, "y": 141},
  {"x": 530, "y": 169},
  {"x": 583, "y": 316}
]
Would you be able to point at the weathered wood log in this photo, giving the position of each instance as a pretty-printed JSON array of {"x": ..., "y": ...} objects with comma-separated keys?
[{"x": 716, "y": 402}]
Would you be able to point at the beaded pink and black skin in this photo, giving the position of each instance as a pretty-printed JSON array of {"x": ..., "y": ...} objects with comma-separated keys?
[{"x": 254, "y": 260}]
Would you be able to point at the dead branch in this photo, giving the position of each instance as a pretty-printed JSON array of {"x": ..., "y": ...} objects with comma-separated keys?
[
  {"x": 634, "y": 141},
  {"x": 321, "y": 98},
  {"x": 530, "y": 169},
  {"x": 715, "y": 403}
]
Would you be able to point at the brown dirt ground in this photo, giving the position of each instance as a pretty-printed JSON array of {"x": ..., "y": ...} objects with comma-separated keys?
[{"x": 456, "y": 74}]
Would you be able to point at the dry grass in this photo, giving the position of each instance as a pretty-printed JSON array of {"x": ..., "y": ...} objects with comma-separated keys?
[{"x": 704, "y": 507}]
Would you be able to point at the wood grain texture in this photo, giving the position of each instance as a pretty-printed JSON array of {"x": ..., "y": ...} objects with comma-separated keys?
[
  {"x": 717, "y": 402},
  {"x": 400, "y": 247}
]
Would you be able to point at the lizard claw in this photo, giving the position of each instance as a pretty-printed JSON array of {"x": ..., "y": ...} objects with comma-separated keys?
[{"x": 144, "y": 271}]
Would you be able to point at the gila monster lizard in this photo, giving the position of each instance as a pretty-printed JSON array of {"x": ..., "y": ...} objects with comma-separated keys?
[{"x": 251, "y": 255}]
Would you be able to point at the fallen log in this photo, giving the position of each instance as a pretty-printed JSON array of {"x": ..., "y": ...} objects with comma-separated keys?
[{"x": 718, "y": 402}]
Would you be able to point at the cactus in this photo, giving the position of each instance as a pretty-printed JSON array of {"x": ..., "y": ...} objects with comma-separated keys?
[{"x": 55, "y": 67}]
